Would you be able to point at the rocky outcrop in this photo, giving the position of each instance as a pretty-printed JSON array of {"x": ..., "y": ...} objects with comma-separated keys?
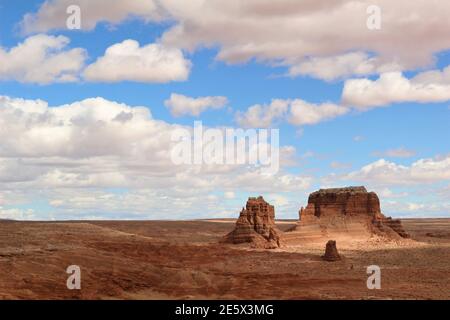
[
  {"x": 331, "y": 252},
  {"x": 350, "y": 201},
  {"x": 350, "y": 210},
  {"x": 385, "y": 224},
  {"x": 255, "y": 225}
]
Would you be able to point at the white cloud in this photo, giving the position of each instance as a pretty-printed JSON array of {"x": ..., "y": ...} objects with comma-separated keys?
[
  {"x": 401, "y": 152},
  {"x": 288, "y": 156},
  {"x": 16, "y": 214},
  {"x": 341, "y": 66},
  {"x": 30, "y": 128},
  {"x": 296, "y": 111},
  {"x": 229, "y": 195},
  {"x": 180, "y": 105},
  {"x": 72, "y": 155},
  {"x": 42, "y": 59},
  {"x": 411, "y": 209},
  {"x": 304, "y": 113},
  {"x": 386, "y": 173},
  {"x": 262, "y": 116},
  {"x": 388, "y": 193},
  {"x": 52, "y": 13},
  {"x": 284, "y": 31},
  {"x": 277, "y": 200},
  {"x": 393, "y": 87},
  {"x": 288, "y": 30},
  {"x": 127, "y": 61}
]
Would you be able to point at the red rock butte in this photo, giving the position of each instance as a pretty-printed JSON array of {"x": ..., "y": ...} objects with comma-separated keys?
[
  {"x": 351, "y": 212},
  {"x": 256, "y": 225}
]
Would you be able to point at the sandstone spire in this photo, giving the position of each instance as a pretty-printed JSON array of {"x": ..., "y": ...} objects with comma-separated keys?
[{"x": 256, "y": 225}]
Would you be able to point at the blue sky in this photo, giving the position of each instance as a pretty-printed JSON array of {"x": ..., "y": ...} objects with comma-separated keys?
[{"x": 403, "y": 143}]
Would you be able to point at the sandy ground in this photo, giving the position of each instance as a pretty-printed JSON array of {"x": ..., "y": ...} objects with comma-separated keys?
[{"x": 183, "y": 260}]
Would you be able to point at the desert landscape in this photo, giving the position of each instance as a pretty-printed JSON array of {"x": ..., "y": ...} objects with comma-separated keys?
[
  {"x": 255, "y": 257},
  {"x": 185, "y": 151}
]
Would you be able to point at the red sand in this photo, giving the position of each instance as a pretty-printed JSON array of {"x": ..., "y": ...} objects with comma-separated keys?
[{"x": 182, "y": 259}]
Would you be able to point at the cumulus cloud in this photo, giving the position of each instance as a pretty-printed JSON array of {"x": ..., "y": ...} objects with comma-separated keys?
[
  {"x": 393, "y": 87},
  {"x": 52, "y": 13},
  {"x": 284, "y": 31},
  {"x": 42, "y": 59},
  {"x": 180, "y": 105},
  {"x": 304, "y": 113},
  {"x": 262, "y": 116},
  {"x": 65, "y": 154},
  {"x": 128, "y": 61},
  {"x": 341, "y": 66},
  {"x": 383, "y": 172},
  {"x": 34, "y": 129},
  {"x": 296, "y": 111},
  {"x": 288, "y": 30}
]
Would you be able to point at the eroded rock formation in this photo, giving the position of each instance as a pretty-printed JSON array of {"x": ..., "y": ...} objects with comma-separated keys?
[
  {"x": 331, "y": 252},
  {"x": 352, "y": 210},
  {"x": 350, "y": 201},
  {"x": 256, "y": 225}
]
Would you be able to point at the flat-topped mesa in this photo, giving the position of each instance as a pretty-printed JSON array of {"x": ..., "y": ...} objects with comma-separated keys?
[
  {"x": 349, "y": 201},
  {"x": 255, "y": 225},
  {"x": 350, "y": 210}
]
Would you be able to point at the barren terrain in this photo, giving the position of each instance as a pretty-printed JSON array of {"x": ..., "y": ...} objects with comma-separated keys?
[{"x": 183, "y": 260}]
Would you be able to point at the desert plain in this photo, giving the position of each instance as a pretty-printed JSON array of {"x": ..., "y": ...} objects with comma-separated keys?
[{"x": 185, "y": 260}]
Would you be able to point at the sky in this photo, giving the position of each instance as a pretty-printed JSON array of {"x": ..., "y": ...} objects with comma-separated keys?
[{"x": 359, "y": 91}]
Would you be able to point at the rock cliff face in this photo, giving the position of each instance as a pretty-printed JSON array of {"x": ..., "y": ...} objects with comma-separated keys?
[
  {"x": 350, "y": 210},
  {"x": 256, "y": 225},
  {"x": 350, "y": 201}
]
